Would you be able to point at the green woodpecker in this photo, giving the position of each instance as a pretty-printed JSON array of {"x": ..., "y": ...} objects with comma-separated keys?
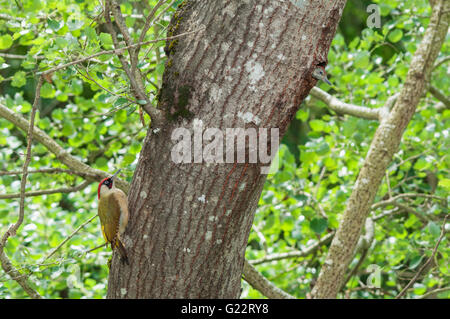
[
  {"x": 113, "y": 213},
  {"x": 320, "y": 74}
]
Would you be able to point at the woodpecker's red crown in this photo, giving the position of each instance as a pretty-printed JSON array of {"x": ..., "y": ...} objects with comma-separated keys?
[{"x": 108, "y": 182}]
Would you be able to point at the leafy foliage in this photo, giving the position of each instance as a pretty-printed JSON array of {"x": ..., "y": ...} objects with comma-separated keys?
[{"x": 76, "y": 111}]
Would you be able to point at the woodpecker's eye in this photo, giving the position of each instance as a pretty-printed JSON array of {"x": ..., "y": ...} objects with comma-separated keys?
[{"x": 108, "y": 183}]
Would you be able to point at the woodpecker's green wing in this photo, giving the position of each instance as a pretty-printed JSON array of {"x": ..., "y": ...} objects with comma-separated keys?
[{"x": 109, "y": 213}]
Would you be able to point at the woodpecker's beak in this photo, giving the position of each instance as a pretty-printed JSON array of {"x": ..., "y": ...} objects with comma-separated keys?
[
  {"x": 325, "y": 79},
  {"x": 112, "y": 177}
]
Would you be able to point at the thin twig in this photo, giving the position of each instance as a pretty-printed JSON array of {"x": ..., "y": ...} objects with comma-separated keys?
[
  {"x": 413, "y": 280},
  {"x": 392, "y": 200},
  {"x": 435, "y": 291},
  {"x": 50, "y": 170},
  {"x": 95, "y": 248},
  {"x": 440, "y": 95},
  {"x": 13, "y": 228},
  {"x": 295, "y": 254},
  {"x": 68, "y": 238},
  {"x": 147, "y": 25},
  {"x": 19, "y": 57},
  {"x": 65, "y": 190},
  {"x": 116, "y": 51},
  {"x": 6, "y": 264},
  {"x": 90, "y": 78}
]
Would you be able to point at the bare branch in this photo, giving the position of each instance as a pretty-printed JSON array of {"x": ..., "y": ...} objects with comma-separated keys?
[
  {"x": 440, "y": 96},
  {"x": 393, "y": 201},
  {"x": 406, "y": 195},
  {"x": 51, "y": 170},
  {"x": 148, "y": 23},
  {"x": 295, "y": 254},
  {"x": 78, "y": 167},
  {"x": 18, "y": 56},
  {"x": 133, "y": 73},
  {"x": 433, "y": 292},
  {"x": 21, "y": 279},
  {"x": 441, "y": 61},
  {"x": 65, "y": 190},
  {"x": 345, "y": 108},
  {"x": 262, "y": 284}
]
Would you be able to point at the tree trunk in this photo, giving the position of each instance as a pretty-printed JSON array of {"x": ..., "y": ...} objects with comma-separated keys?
[{"x": 250, "y": 68}]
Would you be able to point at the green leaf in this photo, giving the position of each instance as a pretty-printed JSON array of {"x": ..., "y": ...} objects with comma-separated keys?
[
  {"x": 74, "y": 23},
  {"x": 317, "y": 125},
  {"x": 445, "y": 183},
  {"x": 120, "y": 116},
  {"x": 90, "y": 33},
  {"x": 415, "y": 261},
  {"x": 362, "y": 60},
  {"x": 76, "y": 86},
  {"x": 19, "y": 79},
  {"x": 395, "y": 35},
  {"x": 419, "y": 289},
  {"x": 302, "y": 115},
  {"x": 434, "y": 229},
  {"x": 318, "y": 225},
  {"x": 131, "y": 110},
  {"x": 68, "y": 128},
  {"x": 5, "y": 41},
  {"x": 135, "y": 147},
  {"x": 129, "y": 158},
  {"x": 120, "y": 101},
  {"x": 269, "y": 222},
  {"x": 323, "y": 148},
  {"x": 106, "y": 39},
  {"x": 47, "y": 91},
  {"x": 354, "y": 43},
  {"x": 61, "y": 42},
  {"x": 101, "y": 162},
  {"x": 53, "y": 24}
]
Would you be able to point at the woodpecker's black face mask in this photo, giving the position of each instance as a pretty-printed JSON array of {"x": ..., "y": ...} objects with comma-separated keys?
[{"x": 108, "y": 183}]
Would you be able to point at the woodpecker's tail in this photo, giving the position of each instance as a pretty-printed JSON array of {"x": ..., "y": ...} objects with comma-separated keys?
[{"x": 122, "y": 251}]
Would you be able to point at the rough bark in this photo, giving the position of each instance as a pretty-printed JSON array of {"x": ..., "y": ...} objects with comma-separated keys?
[
  {"x": 251, "y": 67},
  {"x": 385, "y": 143}
]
